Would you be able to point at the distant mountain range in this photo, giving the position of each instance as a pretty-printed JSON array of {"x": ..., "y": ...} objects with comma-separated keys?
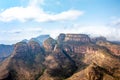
[
  {"x": 40, "y": 39},
  {"x": 5, "y": 51},
  {"x": 69, "y": 57}
]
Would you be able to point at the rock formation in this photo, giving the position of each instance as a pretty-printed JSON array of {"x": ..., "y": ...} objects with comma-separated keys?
[{"x": 74, "y": 37}]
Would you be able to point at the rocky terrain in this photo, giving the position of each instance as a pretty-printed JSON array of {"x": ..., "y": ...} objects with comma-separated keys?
[{"x": 69, "y": 57}]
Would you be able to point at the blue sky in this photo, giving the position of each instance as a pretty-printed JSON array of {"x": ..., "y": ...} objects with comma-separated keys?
[{"x": 23, "y": 19}]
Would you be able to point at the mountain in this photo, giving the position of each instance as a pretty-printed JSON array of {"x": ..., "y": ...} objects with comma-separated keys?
[
  {"x": 25, "y": 40},
  {"x": 5, "y": 51},
  {"x": 69, "y": 57},
  {"x": 40, "y": 39}
]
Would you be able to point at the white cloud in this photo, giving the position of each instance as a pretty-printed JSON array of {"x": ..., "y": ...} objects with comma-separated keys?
[
  {"x": 36, "y": 13},
  {"x": 116, "y": 22},
  {"x": 66, "y": 15},
  {"x": 23, "y": 30},
  {"x": 35, "y": 2},
  {"x": 15, "y": 35}
]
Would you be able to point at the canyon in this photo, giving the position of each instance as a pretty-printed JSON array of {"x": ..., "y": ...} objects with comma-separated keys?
[{"x": 69, "y": 57}]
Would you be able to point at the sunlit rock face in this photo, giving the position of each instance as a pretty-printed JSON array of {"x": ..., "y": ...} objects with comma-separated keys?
[
  {"x": 74, "y": 38},
  {"x": 74, "y": 42}
]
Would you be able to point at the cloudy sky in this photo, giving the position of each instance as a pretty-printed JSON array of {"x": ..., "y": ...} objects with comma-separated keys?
[{"x": 23, "y": 19}]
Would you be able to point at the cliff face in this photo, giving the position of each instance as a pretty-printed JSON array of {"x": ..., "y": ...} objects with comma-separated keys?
[
  {"x": 79, "y": 48},
  {"x": 74, "y": 37},
  {"x": 70, "y": 57},
  {"x": 74, "y": 42}
]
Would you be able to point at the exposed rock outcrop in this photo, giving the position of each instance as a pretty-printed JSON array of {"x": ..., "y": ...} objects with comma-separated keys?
[{"x": 74, "y": 38}]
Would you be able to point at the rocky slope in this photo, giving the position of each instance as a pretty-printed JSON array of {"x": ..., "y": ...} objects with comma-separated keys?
[
  {"x": 70, "y": 57},
  {"x": 101, "y": 66},
  {"x": 114, "y": 48}
]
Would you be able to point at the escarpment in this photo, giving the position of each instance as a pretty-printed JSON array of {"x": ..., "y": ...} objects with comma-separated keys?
[{"x": 69, "y": 57}]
